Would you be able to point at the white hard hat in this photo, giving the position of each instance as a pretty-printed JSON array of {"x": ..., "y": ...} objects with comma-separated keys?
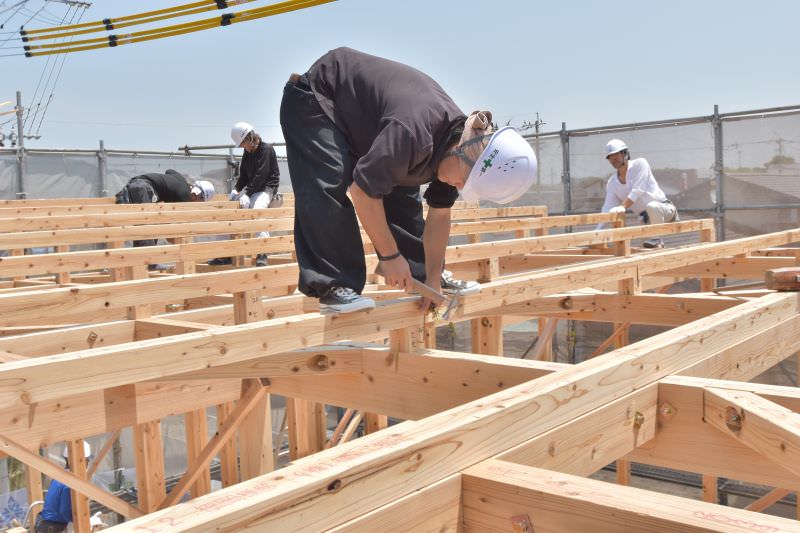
[
  {"x": 203, "y": 189},
  {"x": 240, "y": 131},
  {"x": 504, "y": 171},
  {"x": 615, "y": 145},
  {"x": 87, "y": 450}
]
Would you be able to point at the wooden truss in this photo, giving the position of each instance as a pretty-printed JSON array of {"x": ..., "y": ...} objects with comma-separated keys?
[{"x": 95, "y": 344}]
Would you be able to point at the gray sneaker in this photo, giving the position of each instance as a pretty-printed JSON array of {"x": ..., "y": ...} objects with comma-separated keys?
[
  {"x": 343, "y": 300},
  {"x": 451, "y": 285},
  {"x": 653, "y": 243},
  {"x": 261, "y": 260}
]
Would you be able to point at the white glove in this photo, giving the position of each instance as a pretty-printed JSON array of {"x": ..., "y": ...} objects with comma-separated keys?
[
  {"x": 617, "y": 209},
  {"x": 244, "y": 201},
  {"x": 96, "y": 520},
  {"x": 234, "y": 194}
]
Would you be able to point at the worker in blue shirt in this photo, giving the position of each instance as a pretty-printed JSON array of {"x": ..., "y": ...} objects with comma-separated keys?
[{"x": 57, "y": 510}]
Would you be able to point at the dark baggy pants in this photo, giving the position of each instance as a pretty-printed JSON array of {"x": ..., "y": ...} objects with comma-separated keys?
[
  {"x": 327, "y": 239},
  {"x": 138, "y": 191},
  {"x": 46, "y": 526}
]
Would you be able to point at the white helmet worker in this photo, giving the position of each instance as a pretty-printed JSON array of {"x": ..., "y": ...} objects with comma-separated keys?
[
  {"x": 240, "y": 131},
  {"x": 202, "y": 191},
  {"x": 504, "y": 171},
  {"x": 615, "y": 145}
]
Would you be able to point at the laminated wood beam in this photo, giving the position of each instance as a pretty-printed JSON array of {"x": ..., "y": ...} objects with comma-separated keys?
[
  {"x": 656, "y": 309},
  {"x": 342, "y": 483},
  {"x": 434, "y": 508},
  {"x": 103, "y": 209},
  {"x": 589, "y": 442},
  {"x": 753, "y": 356},
  {"x": 93, "y": 413},
  {"x": 321, "y": 360},
  {"x": 733, "y": 267},
  {"x": 495, "y": 491},
  {"x": 411, "y": 386},
  {"x": 129, "y": 219},
  {"x": 768, "y": 428},
  {"x": 685, "y": 442},
  {"x": 26, "y": 239},
  {"x": 94, "y": 302},
  {"x": 473, "y": 252},
  {"x": 521, "y": 288},
  {"x": 54, "y": 471}
]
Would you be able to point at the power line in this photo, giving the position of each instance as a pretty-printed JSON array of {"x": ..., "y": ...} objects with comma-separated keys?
[{"x": 39, "y": 83}]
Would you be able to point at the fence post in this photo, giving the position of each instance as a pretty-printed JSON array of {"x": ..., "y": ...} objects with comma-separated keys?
[
  {"x": 231, "y": 169},
  {"x": 102, "y": 186},
  {"x": 565, "y": 177},
  {"x": 20, "y": 150},
  {"x": 719, "y": 174}
]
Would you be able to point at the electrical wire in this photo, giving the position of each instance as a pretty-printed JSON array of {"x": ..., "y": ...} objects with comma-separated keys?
[
  {"x": 179, "y": 29},
  {"x": 50, "y": 74},
  {"x": 130, "y": 20},
  {"x": 58, "y": 76},
  {"x": 19, "y": 6}
]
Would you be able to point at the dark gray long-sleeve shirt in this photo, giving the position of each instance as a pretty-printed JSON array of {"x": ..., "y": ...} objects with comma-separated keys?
[{"x": 397, "y": 120}]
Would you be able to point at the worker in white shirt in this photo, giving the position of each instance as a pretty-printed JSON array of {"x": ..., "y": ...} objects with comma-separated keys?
[{"x": 633, "y": 186}]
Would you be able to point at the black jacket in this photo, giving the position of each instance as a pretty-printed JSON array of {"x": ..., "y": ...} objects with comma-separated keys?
[
  {"x": 170, "y": 187},
  {"x": 258, "y": 170}
]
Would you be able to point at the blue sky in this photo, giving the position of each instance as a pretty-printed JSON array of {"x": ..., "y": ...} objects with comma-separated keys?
[{"x": 586, "y": 63}]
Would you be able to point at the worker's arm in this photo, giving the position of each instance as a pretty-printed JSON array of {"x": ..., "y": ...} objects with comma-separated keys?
[
  {"x": 434, "y": 240},
  {"x": 373, "y": 217}
]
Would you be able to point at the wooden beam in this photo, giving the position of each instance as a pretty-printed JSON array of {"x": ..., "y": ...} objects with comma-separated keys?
[
  {"x": 415, "y": 385},
  {"x": 434, "y": 508},
  {"x": 340, "y": 483},
  {"x": 252, "y": 393},
  {"x": 80, "y": 504},
  {"x": 768, "y": 500},
  {"x": 766, "y": 427},
  {"x": 196, "y": 430},
  {"x": 589, "y": 442},
  {"x": 149, "y": 453},
  {"x": 54, "y": 471},
  {"x": 685, "y": 442},
  {"x": 495, "y": 491}
]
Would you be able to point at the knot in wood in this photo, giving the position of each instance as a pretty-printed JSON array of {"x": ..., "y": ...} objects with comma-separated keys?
[
  {"x": 733, "y": 419},
  {"x": 319, "y": 362},
  {"x": 566, "y": 303}
]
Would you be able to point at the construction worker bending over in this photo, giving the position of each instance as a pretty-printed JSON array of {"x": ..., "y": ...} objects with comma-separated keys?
[
  {"x": 633, "y": 186},
  {"x": 172, "y": 186},
  {"x": 380, "y": 129},
  {"x": 259, "y": 175}
]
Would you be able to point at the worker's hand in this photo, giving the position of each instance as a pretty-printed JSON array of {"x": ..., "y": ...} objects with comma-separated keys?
[
  {"x": 617, "y": 209},
  {"x": 397, "y": 273},
  {"x": 433, "y": 279},
  {"x": 234, "y": 194},
  {"x": 244, "y": 201}
]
